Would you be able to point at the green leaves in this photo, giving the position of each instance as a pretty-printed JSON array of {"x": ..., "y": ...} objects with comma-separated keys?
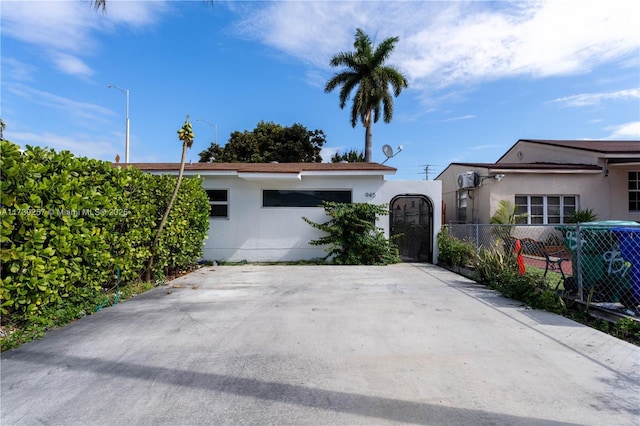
[
  {"x": 269, "y": 142},
  {"x": 366, "y": 73},
  {"x": 67, "y": 224},
  {"x": 352, "y": 236}
]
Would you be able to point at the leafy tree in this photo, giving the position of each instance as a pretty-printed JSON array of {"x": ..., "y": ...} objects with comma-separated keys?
[
  {"x": 266, "y": 143},
  {"x": 215, "y": 153},
  {"x": 351, "y": 156},
  {"x": 365, "y": 69}
]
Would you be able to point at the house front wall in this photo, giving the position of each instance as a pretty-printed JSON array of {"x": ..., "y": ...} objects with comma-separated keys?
[
  {"x": 255, "y": 233},
  {"x": 607, "y": 195},
  {"x": 476, "y": 199}
]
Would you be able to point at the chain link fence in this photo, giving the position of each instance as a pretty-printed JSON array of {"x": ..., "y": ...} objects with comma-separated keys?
[{"x": 596, "y": 262}]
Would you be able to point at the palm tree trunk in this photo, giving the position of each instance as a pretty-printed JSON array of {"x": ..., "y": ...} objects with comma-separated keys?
[
  {"x": 368, "y": 140},
  {"x": 166, "y": 213}
]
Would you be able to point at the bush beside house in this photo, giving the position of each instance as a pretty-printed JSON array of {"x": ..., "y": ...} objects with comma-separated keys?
[
  {"x": 352, "y": 235},
  {"x": 70, "y": 225}
]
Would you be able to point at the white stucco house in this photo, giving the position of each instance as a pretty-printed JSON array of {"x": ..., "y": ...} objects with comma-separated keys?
[
  {"x": 257, "y": 208},
  {"x": 548, "y": 180}
]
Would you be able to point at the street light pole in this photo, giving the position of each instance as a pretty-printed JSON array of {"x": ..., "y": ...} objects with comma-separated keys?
[
  {"x": 126, "y": 143},
  {"x": 215, "y": 127}
]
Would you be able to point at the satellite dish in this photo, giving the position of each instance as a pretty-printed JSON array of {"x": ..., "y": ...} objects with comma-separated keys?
[{"x": 388, "y": 151}]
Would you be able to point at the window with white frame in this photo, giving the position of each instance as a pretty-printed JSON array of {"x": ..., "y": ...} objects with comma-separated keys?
[
  {"x": 461, "y": 216},
  {"x": 546, "y": 209},
  {"x": 634, "y": 191},
  {"x": 219, "y": 202}
]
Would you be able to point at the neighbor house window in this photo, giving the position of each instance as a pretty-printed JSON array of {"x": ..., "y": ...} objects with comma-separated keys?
[
  {"x": 634, "y": 191},
  {"x": 219, "y": 202},
  {"x": 546, "y": 209},
  {"x": 462, "y": 207},
  {"x": 302, "y": 198}
]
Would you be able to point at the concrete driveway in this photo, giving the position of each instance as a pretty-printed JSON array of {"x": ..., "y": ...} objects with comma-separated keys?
[{"x": 323, "y": 345}]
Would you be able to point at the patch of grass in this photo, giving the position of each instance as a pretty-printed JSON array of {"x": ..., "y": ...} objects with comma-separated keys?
[{"x": 552, "y": 280}]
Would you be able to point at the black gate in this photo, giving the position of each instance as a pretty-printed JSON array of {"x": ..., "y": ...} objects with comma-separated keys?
[{"x": 411, "y": 223}]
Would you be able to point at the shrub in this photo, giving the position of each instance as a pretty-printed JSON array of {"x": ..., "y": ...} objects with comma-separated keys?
[
  {"x": 586, "y": 215},
  {"x": 453, "y": 251},
  {"x": 353, "y": 238},
  {"x": 500, "y": 272}
]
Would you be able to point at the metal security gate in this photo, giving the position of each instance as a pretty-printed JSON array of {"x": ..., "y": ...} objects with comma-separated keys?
[{"x": 411, "y": 223}]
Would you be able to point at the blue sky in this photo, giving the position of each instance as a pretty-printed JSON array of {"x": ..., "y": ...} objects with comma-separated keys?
[{"x": 481, "y": 74}]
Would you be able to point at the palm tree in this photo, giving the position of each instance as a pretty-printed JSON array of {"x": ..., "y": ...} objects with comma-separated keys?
[
  {"x": 100, "y": 4},
  {"x": 366, "y": 69}
]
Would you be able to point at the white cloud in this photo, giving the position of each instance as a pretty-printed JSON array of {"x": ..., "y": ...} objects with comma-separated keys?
[
  {"x": 328, "y": 152},
  {"x": 73, "y": 65},
  {"x": 449, "y": 43},
  {"x": 591, "y": 99},
  {"x": 20, "y": 71},
  {"x": 626, "y": 131},
  {"x": 462, "y": 117},
  {"x": 485, "y": 147},
  {"x": 80, "y": 110},
  {"x": 66, "y": 30},
  {"x": 80, "y": 145}
]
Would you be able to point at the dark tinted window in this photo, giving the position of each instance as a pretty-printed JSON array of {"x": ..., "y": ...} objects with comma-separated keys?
[
  {"x": 289, "y": 198},
  {"x": 218, "y": 199}
]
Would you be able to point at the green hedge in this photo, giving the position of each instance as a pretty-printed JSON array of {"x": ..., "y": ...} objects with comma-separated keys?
[{"x": 69, "y": 223}]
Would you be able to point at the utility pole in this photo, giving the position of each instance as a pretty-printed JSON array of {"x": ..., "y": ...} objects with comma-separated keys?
[{"x": 426, "y": 170}]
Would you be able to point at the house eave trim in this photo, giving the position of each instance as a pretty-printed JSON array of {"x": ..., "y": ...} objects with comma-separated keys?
[
  {"x": 270, "y": 176},
  {"x": 348, "y": 173},
  {"x": 545, "y": 171}
]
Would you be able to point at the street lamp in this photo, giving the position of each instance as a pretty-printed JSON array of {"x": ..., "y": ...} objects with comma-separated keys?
[
  {"x": 215, "y": 127},
  {"x": 126, "y": 143}
]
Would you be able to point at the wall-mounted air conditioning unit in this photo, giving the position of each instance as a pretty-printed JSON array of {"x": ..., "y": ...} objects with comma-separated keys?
[{"x": 468, "y": 180}]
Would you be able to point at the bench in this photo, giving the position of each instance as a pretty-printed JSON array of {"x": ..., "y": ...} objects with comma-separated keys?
[{"x": 554, "y": 256}]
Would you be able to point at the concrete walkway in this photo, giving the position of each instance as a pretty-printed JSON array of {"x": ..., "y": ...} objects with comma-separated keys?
[{"x": 322, "y": 345}]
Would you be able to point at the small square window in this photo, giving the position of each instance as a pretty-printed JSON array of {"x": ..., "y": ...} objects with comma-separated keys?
[{"x": 219, "y": 201}]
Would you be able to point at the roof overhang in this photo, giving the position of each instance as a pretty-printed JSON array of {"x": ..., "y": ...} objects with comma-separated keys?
[{"x": 268, "y": 171}]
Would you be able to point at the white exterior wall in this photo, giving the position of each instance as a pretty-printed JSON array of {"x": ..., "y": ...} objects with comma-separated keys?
[{"x": 255, "y": 233}]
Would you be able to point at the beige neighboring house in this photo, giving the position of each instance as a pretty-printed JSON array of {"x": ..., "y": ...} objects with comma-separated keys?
[{"x": 549, "y": 180}]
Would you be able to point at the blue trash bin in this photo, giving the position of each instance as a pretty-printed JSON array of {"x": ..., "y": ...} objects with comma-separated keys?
[{"x": 629, "y": 242}]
